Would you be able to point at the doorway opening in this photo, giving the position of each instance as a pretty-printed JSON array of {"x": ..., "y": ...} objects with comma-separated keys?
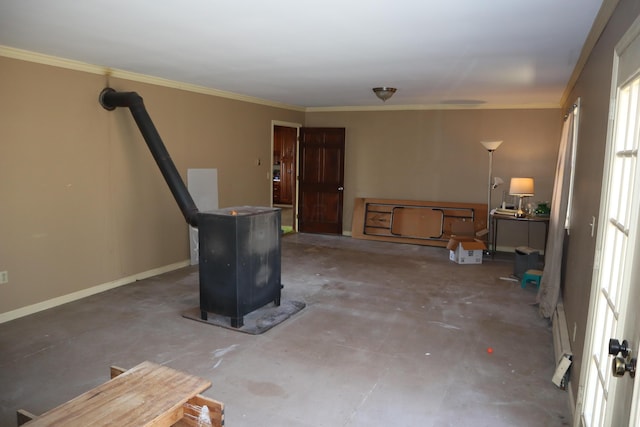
[
  {"x": 284, "y": 161},
  {"x": 308, "y": 177}
]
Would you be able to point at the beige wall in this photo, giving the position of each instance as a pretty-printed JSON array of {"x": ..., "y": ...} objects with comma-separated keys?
[
  {"x": 436, "y": 155},
  {"x": 593, "y": 88},
  {"x": 82, "y": 202}
]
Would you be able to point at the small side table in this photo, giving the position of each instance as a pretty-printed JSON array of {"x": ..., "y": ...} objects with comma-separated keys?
[{"x": 496, "y": 218}]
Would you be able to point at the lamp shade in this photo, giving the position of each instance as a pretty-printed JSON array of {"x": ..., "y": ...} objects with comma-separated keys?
[
  {"x": 521, "y": 187},
  {"x": 491, "y": 145}
]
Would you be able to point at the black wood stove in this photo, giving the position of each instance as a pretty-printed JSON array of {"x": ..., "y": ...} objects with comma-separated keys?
[
  {"x": 239, "y": 247},
  {"x": 239, "y": 261}
]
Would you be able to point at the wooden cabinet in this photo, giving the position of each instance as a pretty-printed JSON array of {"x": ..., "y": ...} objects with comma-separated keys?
[
  {"x": 276, "y": 192},
  {"x": 284, "y": 154},
  {"x": 277, "y": 146}
]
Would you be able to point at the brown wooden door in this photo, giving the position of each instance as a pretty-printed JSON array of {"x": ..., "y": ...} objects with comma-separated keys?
[
  {"x": 284, "y": 155},
  {"x": 321, "y": 181}
]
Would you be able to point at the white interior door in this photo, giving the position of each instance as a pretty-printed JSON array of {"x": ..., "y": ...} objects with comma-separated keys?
[{"x": 605, "y": 399}]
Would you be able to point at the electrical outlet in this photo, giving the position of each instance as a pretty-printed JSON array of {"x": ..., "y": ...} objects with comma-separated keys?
[{"x": 4, "y": 277}]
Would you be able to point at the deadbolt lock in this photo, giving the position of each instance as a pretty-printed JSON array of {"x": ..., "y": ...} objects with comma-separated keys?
[{"x": 620, "y": 366}]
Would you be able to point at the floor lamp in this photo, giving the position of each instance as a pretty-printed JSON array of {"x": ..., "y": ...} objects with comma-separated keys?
[{"x": 490, "y": 146}]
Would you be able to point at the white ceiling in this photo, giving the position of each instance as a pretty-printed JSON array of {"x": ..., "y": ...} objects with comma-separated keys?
[{"x": 327, "y": 53}]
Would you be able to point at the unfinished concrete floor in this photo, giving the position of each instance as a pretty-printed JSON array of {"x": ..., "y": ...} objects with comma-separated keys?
[{"x": 392, "y": 335}]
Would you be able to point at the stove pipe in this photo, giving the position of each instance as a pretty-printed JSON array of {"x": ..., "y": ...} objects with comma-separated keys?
[{"x": 110, "y": 99}]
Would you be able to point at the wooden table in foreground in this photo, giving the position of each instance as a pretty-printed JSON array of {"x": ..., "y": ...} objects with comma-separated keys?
[{"x": 146, "y": 395}]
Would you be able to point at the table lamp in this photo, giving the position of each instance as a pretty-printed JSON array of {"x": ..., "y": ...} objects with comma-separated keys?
[{"x": 521, "y": 187}]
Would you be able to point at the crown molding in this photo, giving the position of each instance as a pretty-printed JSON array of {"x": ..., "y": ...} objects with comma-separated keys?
[
  {"x": 55, "y": 61},
  {"x": 487, "y": 106}
]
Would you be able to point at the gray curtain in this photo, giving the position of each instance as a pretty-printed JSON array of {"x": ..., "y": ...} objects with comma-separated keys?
[{"x": 549, "y": 291}]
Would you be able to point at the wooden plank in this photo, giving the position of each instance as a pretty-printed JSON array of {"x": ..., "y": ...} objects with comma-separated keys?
[
  {"x": 146, "y": 395},
  {"x": 190, "y": 416},
  {"x": 191, "y": 412},
  {"x": 25, "y": 416},
  {"x": 114, "y": 371}
]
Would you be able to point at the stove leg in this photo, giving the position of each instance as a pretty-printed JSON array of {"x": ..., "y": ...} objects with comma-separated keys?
[
  {"x": 203, "y": 315},
  {"x": 237, "y": 322}
]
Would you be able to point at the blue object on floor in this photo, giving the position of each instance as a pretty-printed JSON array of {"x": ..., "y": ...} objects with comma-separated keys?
[{"x": 531, "y": 276}]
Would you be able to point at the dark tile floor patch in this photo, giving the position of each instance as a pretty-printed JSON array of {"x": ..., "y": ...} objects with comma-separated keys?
[{"x": 256, "y": 322}]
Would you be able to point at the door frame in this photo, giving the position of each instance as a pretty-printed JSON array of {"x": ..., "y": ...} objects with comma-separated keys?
[
  {"x": 297, "y": 126},
  {"x": 321, "y": 188},
  {"x": 591, "y": 328}
]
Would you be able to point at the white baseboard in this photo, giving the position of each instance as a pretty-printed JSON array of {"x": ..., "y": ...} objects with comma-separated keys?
[{"x": 54, "y": 302}]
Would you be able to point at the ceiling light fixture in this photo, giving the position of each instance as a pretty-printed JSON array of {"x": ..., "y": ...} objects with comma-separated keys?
[{"x": 384, "y": 92}]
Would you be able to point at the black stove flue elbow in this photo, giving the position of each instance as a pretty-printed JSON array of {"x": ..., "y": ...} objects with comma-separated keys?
[{"x": 110, "y": 99}]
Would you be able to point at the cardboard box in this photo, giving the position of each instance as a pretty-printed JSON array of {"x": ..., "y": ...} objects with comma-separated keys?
[{"x": 463, "y": 247}]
